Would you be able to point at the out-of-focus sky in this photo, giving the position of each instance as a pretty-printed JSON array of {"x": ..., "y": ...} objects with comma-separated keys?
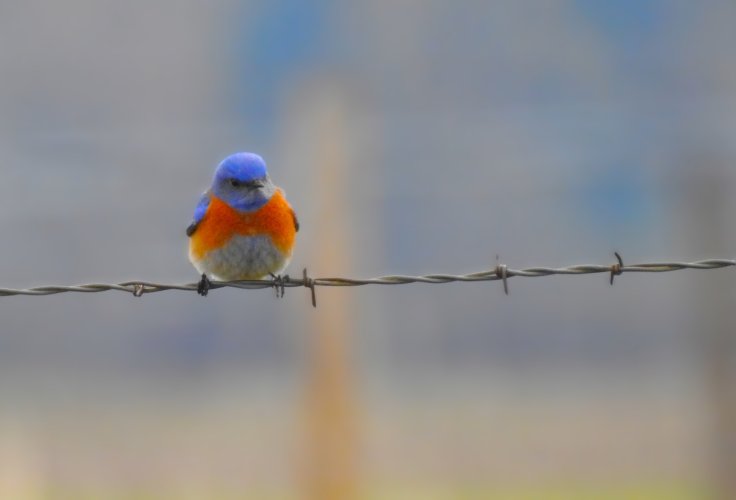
[{"x": 547, "y": 133}]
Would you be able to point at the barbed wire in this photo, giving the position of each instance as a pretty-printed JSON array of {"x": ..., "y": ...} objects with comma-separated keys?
[{"x": 499, "y": 272}]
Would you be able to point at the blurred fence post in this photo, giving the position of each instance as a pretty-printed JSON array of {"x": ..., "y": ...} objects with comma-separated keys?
[
  {"x": 331, "y": 434},
  {"x": 707, "y": 192}
]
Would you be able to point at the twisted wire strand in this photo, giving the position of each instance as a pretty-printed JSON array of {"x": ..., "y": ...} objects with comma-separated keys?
[{"x": 500, "y": 272}]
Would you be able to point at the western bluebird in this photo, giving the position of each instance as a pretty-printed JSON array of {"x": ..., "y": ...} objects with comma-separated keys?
[{"x": 243, "y": 227}]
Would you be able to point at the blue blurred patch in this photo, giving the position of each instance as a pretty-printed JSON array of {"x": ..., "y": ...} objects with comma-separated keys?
[
  {"x": 617, "y": 195},
  {"x": 273, "y": 41},
  {"x": 624, "y": 18}
]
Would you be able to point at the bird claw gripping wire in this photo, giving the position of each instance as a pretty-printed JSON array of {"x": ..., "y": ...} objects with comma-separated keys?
[
  {"x": 279, "y": 284},
  {"x": 203, "y": 287}
]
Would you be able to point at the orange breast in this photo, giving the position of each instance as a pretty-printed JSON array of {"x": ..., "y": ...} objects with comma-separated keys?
[{"x": 221, "y": 222}]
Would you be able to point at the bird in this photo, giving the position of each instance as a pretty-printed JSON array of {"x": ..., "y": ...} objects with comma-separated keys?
[{"x": 243, "y": 228}]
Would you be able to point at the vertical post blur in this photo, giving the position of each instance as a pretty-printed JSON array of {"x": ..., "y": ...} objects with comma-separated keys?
[
  {"x": 707, "y": 192},
  {"x": 330, "y": 416}
]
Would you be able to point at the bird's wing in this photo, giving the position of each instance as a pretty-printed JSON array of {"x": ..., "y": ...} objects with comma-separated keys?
[
  {"x": 296, "y": 221},
  {"x": 204, "y": 202}
]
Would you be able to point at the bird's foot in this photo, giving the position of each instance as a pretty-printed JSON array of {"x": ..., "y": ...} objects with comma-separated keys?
[
  {"x": 204, "y": 285},
  {"x": 279, "y": 284}
]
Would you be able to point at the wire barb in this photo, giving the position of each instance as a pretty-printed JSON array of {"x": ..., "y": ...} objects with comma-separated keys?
[
  {"x": 617, "y": 269},
  {"x": 309, "y": 283},
  {"x": 500, "y": 272}
]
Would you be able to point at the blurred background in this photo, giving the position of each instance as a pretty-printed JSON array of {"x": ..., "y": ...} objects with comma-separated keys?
[{"x": 412, "y": 137}]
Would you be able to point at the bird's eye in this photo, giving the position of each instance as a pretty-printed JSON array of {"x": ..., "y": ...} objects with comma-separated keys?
[{"x": 235, "y": 183}]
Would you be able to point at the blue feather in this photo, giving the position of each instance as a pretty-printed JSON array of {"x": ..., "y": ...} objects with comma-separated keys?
[
  {"x": 244, "y": 167},
  {"x": 234, "y": 174},
  {"x": 199, "y": 211}
]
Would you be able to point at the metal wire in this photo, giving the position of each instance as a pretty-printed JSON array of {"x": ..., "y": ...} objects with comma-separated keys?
[{"x": 500, "y": 272}]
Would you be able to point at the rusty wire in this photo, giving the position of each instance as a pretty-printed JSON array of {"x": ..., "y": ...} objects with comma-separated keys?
[{"x": 499, "y": 272}]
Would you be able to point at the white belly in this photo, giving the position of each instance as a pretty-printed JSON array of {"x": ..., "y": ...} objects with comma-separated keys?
[{"x": 242, "y": 258}]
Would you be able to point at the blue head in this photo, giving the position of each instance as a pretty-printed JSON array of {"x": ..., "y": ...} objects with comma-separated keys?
[{"x": 241, "y": 181}]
